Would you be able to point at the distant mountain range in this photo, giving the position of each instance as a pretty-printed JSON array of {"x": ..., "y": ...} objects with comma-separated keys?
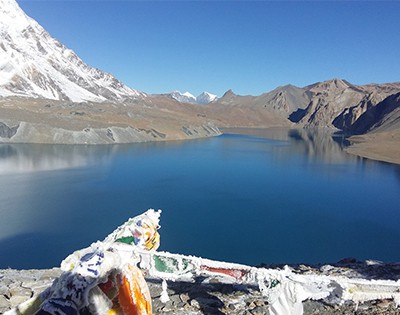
[
  {"x": 335, "y": 104},
  {"x": 48, "y": 94},
  {"x": 203, "y": 98}
]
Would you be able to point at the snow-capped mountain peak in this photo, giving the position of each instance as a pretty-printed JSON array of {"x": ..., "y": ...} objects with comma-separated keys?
[
  {"x": 183, "y": 97},
  {"x": 203, "y": 98},
  {"x": 187, "y": 94},
  {"x": 34, "y": 64},
  {"x": 12, "y": 15}
]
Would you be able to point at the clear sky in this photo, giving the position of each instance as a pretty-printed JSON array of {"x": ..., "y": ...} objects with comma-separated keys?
[{"x": 250, "y": 47}]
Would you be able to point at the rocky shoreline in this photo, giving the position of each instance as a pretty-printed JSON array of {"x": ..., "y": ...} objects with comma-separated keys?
[{"x": 16, "y": 286}]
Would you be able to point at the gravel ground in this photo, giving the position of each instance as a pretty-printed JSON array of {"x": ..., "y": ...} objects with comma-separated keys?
[{"x": 17, "y": 286}]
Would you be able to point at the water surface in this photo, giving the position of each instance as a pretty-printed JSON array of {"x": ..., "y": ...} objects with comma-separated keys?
[{"x": 273, "y": 196}]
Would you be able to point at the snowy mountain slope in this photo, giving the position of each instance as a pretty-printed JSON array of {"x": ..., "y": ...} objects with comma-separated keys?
[
  {"x": 33, "y": 64},
  {"x": 183, "y": 97},
  {"x": 203, "y": 98}
]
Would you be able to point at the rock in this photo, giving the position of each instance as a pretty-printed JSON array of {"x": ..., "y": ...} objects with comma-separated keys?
[
  {"x": 18, "y": 294},
  {"x": 384, "y": 304},
  {"x": 20, "y": 291},
  {"x": 195, "y": 304},
  {"x": 348, "y": 260},
  {"x": 259, "y": 303},
  {"x": 4, "y": 290},
  {"x": 231, "y": 306},
  {"x": 176, "y": 301},
  {"x": 258, "y": 311},
  {"x": 4, "y": 304},
  {"x": 18, "y": 299},
  {"x": 184, "y": 297},
  {"x": 49, "y": 275}
]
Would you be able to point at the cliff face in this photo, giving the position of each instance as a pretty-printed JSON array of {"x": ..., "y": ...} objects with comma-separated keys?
[
  {"x": 346, "y": 119},
  {"x": 379, "y": 131},
  {"x": 384, "y": 116},
  {"x": 339, "y": 104},
  {"x": 328, "y": 99}
]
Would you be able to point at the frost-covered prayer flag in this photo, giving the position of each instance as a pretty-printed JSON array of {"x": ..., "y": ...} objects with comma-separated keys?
[
  {"x": 103, "y": 279},
  {"x": 106, "y": 278}
]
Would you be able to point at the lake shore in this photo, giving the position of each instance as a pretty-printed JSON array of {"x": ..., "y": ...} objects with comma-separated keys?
[
  {"x": 16, "y": 286},
  {"x": 383, "y": 147}
]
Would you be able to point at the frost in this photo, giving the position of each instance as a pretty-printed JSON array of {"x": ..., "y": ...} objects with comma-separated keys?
[{"x": 164, "y": 294}]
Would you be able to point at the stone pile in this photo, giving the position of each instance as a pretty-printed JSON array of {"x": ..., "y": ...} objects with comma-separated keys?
[
  {"x": 198, "y": 298},
  {"x": 17, "y": 286}
]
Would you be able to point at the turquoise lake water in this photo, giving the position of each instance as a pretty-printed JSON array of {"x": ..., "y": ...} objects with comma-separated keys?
[{"x": 275, "y": 196}]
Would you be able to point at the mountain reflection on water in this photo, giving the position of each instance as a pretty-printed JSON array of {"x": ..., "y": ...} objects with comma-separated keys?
[
  {"x": 248, "y": 196},
  {"x": 24, "y": 158},
  {"x": 321, "y": 145}
]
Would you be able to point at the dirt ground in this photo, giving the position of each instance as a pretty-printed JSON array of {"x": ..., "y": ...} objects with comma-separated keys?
[{"x": 383, "y": 146}]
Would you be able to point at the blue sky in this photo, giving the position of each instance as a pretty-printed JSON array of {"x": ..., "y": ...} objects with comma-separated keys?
[{"x": 250, "y": 47}]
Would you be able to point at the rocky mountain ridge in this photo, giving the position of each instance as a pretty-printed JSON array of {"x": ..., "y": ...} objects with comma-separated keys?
[
  {"x": 370, "y": 112},
  {"x": 335, "y": 104}
]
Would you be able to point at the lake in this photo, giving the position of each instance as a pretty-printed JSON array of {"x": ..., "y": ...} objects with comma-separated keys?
[{"x": 268, "y": 196}]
